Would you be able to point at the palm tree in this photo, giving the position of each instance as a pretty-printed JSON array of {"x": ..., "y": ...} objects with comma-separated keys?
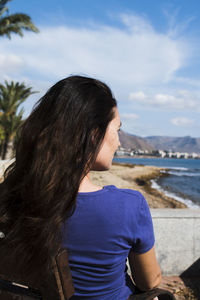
[
  {"x": 12, "y": 95},
  {"x": 14, "y": 23}
]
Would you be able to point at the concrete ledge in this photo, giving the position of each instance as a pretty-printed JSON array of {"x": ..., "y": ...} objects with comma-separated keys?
[
  {"x": 175, "y": 213},
  {"x": 177, "y": 233}
]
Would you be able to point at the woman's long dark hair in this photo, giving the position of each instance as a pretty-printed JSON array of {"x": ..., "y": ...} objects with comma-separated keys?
[{"x": 58, "y": 144}]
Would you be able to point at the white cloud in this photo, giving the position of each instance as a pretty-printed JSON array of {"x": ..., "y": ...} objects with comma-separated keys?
[
  {"x": 131, "y": 56},
  {"x": 182, "y": 121},
  {"x": 176, "y": 29},
  {"x": 136, "y": 24},
  {"x": 138, "y": 96},
  {"x": 129, "y": 116},
  {"x": 10, "y": 63},
  {"x": 182, "y": 100}
]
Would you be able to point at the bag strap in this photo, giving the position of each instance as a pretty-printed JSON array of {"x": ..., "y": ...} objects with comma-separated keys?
[{"x": 63, "y": 275}]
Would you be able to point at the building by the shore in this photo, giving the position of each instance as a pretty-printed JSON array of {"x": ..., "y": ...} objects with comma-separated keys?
[{"x": 156, "y": 153}]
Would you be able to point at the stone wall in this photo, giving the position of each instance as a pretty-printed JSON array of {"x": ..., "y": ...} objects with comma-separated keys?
[{"x": 177, "y": 233}]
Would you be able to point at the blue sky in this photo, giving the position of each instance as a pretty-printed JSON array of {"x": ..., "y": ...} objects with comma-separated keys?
[{"x": 147, "y": 51}]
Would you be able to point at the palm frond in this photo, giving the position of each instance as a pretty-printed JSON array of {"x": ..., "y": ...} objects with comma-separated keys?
[
  {"x": 12, "y": 95},
  {"x": 14, "y": 23},
  {"x": 3, "y": 10},
  {"x": 3, "y": 7}
]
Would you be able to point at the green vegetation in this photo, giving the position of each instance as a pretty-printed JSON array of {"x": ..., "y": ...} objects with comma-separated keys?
[
  {"x": 12, "y": 95},
  {"x": 14, "y": 23}
]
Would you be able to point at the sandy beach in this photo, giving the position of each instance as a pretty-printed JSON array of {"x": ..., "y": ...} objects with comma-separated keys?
[{"x": 136, "y": 177}]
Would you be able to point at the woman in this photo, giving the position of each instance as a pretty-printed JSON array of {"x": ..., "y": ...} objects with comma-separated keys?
[{"x": 48, "y": 200}]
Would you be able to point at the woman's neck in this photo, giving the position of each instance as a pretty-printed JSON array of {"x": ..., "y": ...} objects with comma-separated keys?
[{"x": 87, "y": 185}]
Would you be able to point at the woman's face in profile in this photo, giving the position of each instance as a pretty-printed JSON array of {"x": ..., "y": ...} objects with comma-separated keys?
[{"x": 109, "y": 145}]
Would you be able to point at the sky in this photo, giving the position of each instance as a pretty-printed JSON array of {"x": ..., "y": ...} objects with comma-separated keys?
[{"x": 147, "y": 51}]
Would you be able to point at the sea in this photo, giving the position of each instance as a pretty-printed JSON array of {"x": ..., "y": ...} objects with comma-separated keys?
[{"x": 182, "y": 180}]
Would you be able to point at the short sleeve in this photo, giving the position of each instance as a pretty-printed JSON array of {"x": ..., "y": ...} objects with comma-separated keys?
[{"x": 145, "y": 234}]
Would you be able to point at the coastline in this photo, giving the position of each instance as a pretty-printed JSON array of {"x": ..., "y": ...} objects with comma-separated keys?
[{"x": 137, "y": 177}]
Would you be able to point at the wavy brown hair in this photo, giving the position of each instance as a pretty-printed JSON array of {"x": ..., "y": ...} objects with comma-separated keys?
[{"x": 58, "y": 145}]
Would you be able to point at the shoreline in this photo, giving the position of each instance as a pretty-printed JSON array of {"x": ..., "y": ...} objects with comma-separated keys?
[
  {"x": 137, "y": 177},
  {"x": 189, "y": 203}
]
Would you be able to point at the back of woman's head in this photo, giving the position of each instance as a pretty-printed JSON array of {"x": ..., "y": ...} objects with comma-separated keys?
[
  {"x": 69, "y": 121},
  {"x": 58, "y": 145}
]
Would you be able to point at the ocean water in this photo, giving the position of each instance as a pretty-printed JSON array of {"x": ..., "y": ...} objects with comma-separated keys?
[{"x": 182, "y": 180}]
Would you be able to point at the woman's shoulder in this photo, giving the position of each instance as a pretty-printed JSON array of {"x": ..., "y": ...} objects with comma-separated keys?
[
  {"x": 130, "y": 204},
  {"x": 114, "y": 189},
  {"x": 114, "y": 196},
  {"x": 124, "y": 194}
]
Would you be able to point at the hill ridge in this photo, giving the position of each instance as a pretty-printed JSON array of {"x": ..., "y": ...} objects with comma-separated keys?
[{"x": 176, "y": 144}]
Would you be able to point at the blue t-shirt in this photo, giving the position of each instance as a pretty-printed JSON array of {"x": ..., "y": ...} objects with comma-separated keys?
[{"x": 99, "y": 235}]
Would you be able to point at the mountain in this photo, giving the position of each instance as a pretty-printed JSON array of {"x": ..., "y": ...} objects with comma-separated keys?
[
  {"x": 129, "y": 141},
  {"x": 176, "y": 144}
]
